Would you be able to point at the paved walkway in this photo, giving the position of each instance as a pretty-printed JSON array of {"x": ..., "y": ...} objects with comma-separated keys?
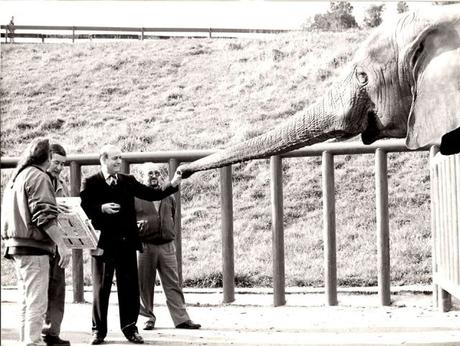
[{"x": 252, "y": 320}]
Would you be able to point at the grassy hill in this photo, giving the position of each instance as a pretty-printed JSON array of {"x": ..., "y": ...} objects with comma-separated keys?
[{"x": 181, "y": 94}]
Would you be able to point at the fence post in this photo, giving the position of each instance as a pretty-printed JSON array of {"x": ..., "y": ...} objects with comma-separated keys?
[
  {"x": 77, "y": 254},
  {"x": 73, "y": 34},
  {"x": 124, "y": 166},
  {"x": 43, "y": 38},
  {"x": 210, "y": 32},
  {"x": 142, "y": 34},
  {"x": 434, "y": 205},
  {"x": 276, "y": 180},
  {"x": 383, "y": 238},
  {"x": 6, "y": 35},
  {"x": 226, "y": 196},
  {"x": 330, "y": 266},
  {"x": 173, "y": 164}
]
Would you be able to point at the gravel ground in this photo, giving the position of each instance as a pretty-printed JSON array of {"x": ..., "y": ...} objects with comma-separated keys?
[{"x": 252, "y": 319}]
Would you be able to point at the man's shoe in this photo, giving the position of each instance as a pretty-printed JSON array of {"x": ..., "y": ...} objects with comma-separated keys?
[
  {"x": 135, "y": 338},
  {"x": 54, "y": 340},
  {"x": 97, "y": 340},
  {"x": 188, "y": 325},
  {"x": 149, "y": 325}
]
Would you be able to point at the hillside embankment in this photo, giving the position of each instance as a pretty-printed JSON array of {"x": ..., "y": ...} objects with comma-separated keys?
[{"x": 184, "y": 94}]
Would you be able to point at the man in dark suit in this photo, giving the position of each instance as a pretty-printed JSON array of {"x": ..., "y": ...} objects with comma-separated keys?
[{"x": 108, "y": 199}]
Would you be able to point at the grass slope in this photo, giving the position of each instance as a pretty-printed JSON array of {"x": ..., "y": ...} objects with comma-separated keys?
[{"x": 206, "y": 94}]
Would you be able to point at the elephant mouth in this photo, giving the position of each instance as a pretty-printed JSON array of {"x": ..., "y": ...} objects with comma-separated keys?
[{"x": 372, "y": 131}]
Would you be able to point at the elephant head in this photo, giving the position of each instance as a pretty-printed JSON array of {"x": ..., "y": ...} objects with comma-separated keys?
[{"x": 403, "y": 82}]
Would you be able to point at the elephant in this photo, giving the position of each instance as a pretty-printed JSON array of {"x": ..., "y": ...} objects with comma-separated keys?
[{"x": 404, "y": 81}]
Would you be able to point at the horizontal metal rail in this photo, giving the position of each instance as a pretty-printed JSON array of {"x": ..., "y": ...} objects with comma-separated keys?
[{"x": 335, "y": 148}]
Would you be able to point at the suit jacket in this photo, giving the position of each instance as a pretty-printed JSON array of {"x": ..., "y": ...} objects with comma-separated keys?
[{"x": 118, "y": 231}]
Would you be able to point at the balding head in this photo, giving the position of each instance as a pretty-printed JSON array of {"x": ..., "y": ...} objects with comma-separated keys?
[{"x": 153, "y": 174}]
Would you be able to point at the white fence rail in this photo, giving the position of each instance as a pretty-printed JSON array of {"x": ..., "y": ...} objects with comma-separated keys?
[{"x": 445, "y": 180}]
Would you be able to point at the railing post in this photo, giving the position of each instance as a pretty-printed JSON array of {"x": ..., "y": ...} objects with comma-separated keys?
[
  {"x": 210, "y": 32},
  {"x": 77, "y": 254},
  {"x": 142, "y": 34},
  {"x": 124, "y": 166},
  {"x": 276, "y": 180},
  {"x": 173, "y": 164},
  {"x": 383, "y": 238},
  {"x": 227, "y": 233},
  {"x": 73, "y": 34},
  {"x": 6, "y": 35},
  {"x": 434, "y": 205},
  {"x": 330, "y": 261}
]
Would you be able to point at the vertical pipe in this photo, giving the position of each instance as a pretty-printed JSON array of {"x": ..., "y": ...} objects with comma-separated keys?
[
  {"x": 330, "y": 261},
  {"x": 77, "y": 254},
  {"x": 173, "y": 164},
  {"x": 434, "y": 217},
  {"x": 124, "y": 166},
  {"x": 383, "y": 238},
  {"x": 277, "y": 231},
  {"x": 227, "y": 233}
]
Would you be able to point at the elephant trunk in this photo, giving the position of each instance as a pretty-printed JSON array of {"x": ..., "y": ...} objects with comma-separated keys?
[{"x": 328, "y": 118}]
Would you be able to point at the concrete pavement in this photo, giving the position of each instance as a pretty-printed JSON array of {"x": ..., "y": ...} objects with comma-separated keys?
[{"x": 252, "y": 320}]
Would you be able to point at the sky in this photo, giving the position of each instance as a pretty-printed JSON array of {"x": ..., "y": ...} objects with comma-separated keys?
[{"x": 198, "y": 14}]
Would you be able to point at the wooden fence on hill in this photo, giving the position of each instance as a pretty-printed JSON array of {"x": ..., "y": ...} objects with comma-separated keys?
[{"x": 42, "y": 32}]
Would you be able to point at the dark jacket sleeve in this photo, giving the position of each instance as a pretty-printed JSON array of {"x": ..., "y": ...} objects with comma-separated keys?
[
  {"x": 149, "y": 193},
  {"x": 89, "y": 200}
]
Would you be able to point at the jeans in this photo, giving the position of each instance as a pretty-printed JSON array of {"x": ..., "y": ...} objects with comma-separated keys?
[
  {"x": 56, "y": 298},
  {"x": 162, "y": 258},
  {"x": 33, "y": 276}
]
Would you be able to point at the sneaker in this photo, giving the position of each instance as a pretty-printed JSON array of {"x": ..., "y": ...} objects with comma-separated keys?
[{"x": 149, "y": 325}]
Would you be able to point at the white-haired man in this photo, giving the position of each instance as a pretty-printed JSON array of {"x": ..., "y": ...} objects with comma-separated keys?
[{"x": 156, "y": 222}]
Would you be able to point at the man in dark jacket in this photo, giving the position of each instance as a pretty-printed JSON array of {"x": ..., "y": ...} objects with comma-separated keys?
[
  {"x": 107, "y": 198},
  {"x": 157, "y": 232}
]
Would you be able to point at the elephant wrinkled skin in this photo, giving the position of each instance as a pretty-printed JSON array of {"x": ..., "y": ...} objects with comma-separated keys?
[{"x": 404, "y": 81}]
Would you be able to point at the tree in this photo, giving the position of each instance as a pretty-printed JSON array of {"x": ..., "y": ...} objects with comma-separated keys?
[
  {"x": 339, "y": 17},
  {"x": 402, "y": 7},
  {"x": 373, "y": 16}
]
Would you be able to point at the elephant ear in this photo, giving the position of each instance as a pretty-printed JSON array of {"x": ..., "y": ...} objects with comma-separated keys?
[{"x": 435, "y": 62}]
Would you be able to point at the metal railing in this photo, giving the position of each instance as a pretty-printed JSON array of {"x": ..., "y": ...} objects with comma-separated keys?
[
  {"x": 327, "y": 151},
  {"x": 445, "y": 187},
  {"x": 138, "y": 33}
]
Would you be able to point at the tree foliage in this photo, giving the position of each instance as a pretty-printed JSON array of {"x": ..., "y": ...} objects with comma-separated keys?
[
  {"x": 402, "y": 7},
  {"x": 338, "y": 18},
  {"x": 373, "y": 16}
]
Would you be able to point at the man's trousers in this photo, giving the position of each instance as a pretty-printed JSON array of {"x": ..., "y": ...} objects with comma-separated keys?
[{"x": 125, "y": 268}]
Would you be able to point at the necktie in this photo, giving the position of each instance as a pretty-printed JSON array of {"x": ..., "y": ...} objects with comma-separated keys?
[{"x": 113, "y": 180}]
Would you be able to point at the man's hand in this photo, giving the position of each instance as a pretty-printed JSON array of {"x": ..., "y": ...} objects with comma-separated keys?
[
  {"x": 177, "y": 179},
  {"x": 110, "y": 208},
  {"x": 64, "y": 254}
]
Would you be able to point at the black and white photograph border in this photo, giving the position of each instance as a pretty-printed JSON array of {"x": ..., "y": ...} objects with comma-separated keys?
[{"x": 317, "y": 143}]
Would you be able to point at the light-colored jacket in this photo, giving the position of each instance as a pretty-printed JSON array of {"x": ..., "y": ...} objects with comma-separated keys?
[{"x": 29, "y": 203}]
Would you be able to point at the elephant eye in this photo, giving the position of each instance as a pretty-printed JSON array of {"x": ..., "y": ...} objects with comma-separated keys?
[{"x": 362, "y": 77}]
